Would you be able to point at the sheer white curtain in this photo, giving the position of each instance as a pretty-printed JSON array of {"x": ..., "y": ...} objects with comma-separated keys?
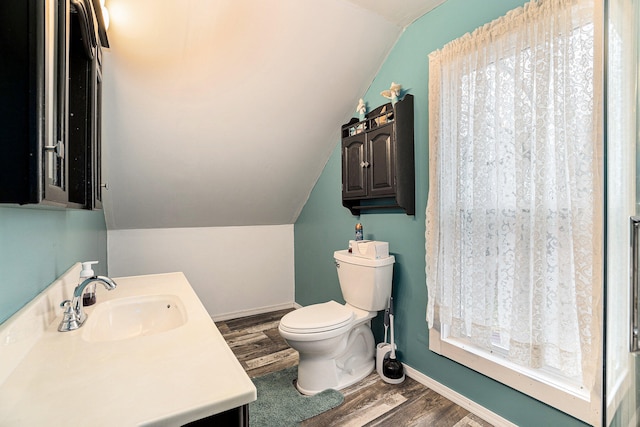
[{"x": 514, "y": 214}]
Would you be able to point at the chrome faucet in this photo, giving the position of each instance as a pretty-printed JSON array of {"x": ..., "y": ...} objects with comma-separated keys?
[{"x": 74, "y": 315}]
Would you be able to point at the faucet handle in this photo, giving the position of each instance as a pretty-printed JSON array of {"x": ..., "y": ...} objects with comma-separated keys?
[
  {"x": 71, "y": 320},
  {"x": 69, "y": 312}
]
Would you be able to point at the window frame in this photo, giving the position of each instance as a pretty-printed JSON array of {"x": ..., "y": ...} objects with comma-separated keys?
[{"x": 554, "y": 390}]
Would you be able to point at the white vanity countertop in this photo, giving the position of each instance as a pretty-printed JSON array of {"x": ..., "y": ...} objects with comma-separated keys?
[{"x": 170, "y": 378}]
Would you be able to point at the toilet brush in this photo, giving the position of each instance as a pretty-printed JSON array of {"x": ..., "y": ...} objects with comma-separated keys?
[
  {"x": 386, "y": 322},
  {"x": 392, "y": 369},
  {"x": 382, "y": 349}
]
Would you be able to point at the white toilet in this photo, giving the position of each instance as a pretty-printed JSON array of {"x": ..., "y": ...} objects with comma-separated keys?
[{"x": 334, "y": 341}]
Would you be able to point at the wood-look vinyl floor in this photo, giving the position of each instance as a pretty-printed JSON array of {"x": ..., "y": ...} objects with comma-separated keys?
[{"x": 260, "y": 349}]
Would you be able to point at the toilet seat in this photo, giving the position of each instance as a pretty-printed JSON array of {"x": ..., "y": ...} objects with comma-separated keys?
[{"x": 317, "y": 318}]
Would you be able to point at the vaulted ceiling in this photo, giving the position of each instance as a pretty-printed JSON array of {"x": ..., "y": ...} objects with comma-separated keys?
[{"x": 224, "y": 112}]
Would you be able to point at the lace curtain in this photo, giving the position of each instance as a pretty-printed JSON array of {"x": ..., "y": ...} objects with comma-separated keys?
[{"x": 514, "y": 214}]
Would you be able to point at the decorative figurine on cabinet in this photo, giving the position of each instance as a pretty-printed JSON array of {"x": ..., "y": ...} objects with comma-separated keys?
[
  {"x": 361, "y": 109},
  {"x": 392, "y": 93}
]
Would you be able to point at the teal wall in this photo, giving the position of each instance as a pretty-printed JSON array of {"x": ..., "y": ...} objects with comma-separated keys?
[
  {"x": 324, "y": 225},
  {"x": 37, "y": 246}
]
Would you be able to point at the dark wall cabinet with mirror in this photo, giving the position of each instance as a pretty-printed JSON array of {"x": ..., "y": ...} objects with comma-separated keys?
[
  {"x": 378, "y": 160},
  {"x": 50, "y": 102}
]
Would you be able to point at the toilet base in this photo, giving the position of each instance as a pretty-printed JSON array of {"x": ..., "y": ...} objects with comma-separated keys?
[
  {"x": 316, "y": 374},
  {"x": 346, "y": 380}
]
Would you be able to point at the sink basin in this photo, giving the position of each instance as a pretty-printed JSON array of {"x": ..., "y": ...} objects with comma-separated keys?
[{"x": 125, "y": 318}]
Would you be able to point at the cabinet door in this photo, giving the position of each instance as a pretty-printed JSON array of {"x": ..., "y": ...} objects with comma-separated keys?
[
  {"x": 96, "y": 184},
  {"x": 81, "y": 111},
  {"x": 84, "y": 108},
  {"x": 55, "y": 151},
  {"x": 22, "y": 97},
  {"x": 354, "y": 167},
  {"x": 381, "y": 165}
]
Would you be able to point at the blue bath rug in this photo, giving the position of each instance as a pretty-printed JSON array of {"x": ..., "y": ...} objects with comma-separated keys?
[{"x": 280, "y": 404}]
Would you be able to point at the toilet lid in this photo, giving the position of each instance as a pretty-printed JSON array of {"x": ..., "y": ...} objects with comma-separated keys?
[{"x": 317, "y": 318}]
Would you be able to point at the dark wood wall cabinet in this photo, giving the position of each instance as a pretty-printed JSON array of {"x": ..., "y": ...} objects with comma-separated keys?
[
  {"x": 50, "y": 102},
  {"x": 378, "y": 160}
]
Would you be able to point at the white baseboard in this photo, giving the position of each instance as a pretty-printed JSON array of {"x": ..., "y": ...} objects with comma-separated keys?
[
  {"x": 253, "y": 311},
  {"x": 457, "y": 398}
]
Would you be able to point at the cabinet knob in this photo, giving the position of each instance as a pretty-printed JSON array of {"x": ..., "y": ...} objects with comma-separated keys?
[
  {"x": 105, "y": 185},
  {"x": 364, "y": 164}
]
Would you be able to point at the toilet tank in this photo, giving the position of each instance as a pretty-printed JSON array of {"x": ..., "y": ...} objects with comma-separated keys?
[{"x": 365, "y": 283}]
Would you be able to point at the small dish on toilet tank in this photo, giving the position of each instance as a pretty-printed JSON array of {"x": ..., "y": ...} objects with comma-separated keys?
[{"x": 370, "y": 249}]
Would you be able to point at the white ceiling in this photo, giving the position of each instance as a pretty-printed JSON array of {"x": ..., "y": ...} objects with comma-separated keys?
[{"x": 224, "y": 113}]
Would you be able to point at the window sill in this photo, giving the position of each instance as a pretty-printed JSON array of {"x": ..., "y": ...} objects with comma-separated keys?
[{"x": 577, "y": 403}]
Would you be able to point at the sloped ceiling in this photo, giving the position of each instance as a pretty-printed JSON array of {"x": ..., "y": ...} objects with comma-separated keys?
[{"x": 224, "y": 112}]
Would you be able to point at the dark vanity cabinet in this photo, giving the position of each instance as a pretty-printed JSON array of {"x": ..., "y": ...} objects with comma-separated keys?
[
  {"x": 378, "y": 160},
  {"x": 50, "y": 78}
]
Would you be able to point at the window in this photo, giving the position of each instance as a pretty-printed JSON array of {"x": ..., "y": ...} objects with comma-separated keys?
[{"x": 514, "y": 214}]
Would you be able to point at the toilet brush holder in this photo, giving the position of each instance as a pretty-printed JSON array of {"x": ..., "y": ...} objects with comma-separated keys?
[
  {"x": 383, "y": 353},
  {"x": 383, "y": 350}
]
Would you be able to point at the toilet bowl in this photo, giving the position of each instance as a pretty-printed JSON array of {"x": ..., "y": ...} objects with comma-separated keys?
[{"x": 334, "y": 341}]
